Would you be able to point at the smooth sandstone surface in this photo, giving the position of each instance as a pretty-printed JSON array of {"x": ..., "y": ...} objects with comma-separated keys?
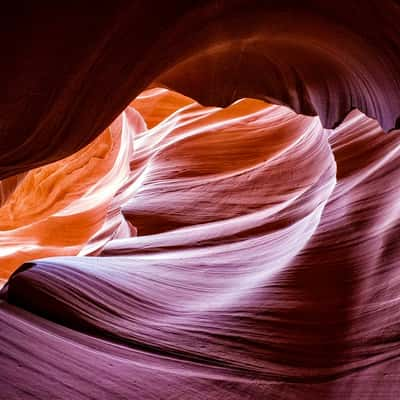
[{"x": 199, "y": 200}]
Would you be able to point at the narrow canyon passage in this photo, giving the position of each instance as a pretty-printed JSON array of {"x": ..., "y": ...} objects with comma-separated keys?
[
  {"x": 205, "y": 252},
  {"x": 199, "y": 200}
]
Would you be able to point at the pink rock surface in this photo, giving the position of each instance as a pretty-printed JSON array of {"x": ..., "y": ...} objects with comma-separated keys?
[
  {"x": 249, "y": 253},
  {"x": 235, "y": 240}
]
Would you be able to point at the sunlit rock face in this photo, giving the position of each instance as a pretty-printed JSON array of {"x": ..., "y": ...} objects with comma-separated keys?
[
  {"x": 199, "y": 200},
  {"x": 61, "y": 207},
  {"x": 239, "y": 251}
]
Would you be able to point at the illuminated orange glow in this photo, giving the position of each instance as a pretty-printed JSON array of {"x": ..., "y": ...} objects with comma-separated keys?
[{"x": 57, "y": 208}]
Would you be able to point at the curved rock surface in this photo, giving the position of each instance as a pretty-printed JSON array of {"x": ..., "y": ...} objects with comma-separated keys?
[
  {"x": 70, "y": 69},
  {"x": 199, "y": 200},
  {"x": 246, "y": 252}
]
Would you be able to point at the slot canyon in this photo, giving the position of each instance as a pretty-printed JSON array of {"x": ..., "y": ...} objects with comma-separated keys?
[{"x": 199, "y": 200}]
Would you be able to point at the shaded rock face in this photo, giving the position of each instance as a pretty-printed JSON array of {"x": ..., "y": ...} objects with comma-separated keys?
[
  {"x": 69, "y": 70},
  {"x": 198, "y": 200}
]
